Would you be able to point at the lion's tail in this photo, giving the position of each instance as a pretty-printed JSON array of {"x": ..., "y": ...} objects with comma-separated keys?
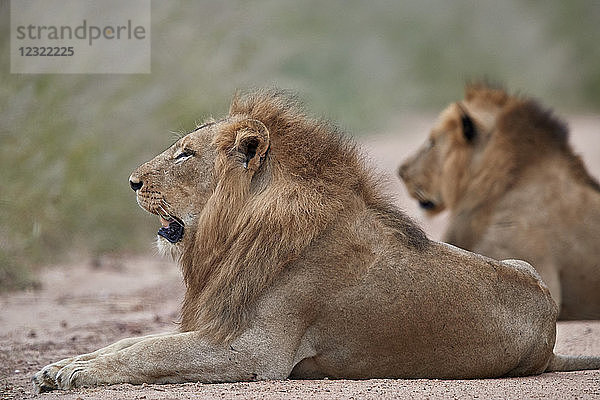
[{"x": 560, "y": 362}]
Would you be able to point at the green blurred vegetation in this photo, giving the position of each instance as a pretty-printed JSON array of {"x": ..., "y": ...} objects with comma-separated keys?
[{"x": 69, "y": 142}]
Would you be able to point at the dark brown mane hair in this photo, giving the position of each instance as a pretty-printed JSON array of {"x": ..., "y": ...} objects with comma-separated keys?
[
  {"x": 524, "y": 132},
  {"x": 521, "y": 118},
  {"x": 249, "y": 231},
  {"x": 535, "y": 131}
]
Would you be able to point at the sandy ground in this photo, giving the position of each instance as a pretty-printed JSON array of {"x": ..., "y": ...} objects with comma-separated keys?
[{"x": 91, "y": 304}]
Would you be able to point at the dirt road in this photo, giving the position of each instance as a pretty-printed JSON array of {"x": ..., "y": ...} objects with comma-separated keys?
[
  {"x": 82, "y": 308},
  {"x": 87, "y": 305}
]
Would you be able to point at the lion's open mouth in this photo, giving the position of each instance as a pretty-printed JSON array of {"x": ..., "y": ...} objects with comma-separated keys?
[{"x": 172, "y": 228}]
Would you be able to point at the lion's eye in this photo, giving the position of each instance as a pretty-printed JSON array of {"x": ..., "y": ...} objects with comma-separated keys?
[{"x": 184, "y": 155}]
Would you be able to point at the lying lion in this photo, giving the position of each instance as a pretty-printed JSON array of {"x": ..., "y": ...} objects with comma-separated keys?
[
  {"x": 503, "y": 167},
  {"x": 297, "y": 266}
]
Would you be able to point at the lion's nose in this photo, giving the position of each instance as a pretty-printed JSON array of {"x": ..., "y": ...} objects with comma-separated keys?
[{"x": 135, "y": 184}]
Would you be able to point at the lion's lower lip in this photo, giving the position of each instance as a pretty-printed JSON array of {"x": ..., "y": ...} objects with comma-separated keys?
[{"x": 173, "y": 232}]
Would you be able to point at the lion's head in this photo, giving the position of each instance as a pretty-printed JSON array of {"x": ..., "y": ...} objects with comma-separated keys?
[
  {"x": 166, "y": 186},
  {"x": 242, "y": 197},
  {"x": 439, "y": 173},
  {"x": 480, "y": 146},
  {"x": 177, "y": 184}
]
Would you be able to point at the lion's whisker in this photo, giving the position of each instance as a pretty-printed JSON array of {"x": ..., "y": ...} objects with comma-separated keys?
[{"x": 166, "y": 214}]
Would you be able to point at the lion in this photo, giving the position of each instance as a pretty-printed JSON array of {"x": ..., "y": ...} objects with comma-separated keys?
[
  {"x": 503, "y": 167},
  {"x": 296, "y": 265}
]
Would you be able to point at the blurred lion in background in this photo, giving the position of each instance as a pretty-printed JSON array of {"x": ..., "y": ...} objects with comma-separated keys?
[{"x": 503, "y": 167}]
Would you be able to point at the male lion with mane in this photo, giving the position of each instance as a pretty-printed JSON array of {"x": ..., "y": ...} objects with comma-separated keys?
[
  {"x": 504, "y": 168},
  {"x": 297, "y": 266}
]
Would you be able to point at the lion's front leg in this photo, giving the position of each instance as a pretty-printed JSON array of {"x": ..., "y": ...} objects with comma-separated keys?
[
  {"x": 45, "y": 379},
  {"x": 179, "y": 358}
]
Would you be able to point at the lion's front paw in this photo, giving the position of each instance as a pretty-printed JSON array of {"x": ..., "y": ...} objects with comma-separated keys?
[
  {"x": 77, "y": 374},
  {"x": 45, "y": 379},
  {"x": 65, "y": 374}
]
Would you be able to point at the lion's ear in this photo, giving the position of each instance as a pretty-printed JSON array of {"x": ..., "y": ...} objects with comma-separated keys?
[
  {"x": 252, "y": 142},
  {"x": 468, "y": 127}
]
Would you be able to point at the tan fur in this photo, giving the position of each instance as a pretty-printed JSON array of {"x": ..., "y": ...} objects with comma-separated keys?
[
  {"x": 517, "y": 190},
  {"x": 297, "y": 266}
]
